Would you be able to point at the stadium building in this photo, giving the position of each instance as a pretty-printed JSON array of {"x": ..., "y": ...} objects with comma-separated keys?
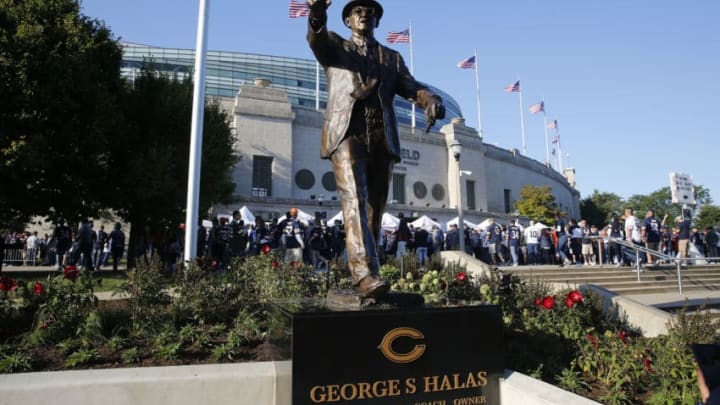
[{"x": 276, "y": 108}]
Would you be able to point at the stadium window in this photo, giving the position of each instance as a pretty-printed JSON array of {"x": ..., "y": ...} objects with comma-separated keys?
[
  {"x": 262, "y": 175},
  {"x": 507, "y": 201},
  {"x": 470, "y": 194},
  {"x": 398, "y": 185}
]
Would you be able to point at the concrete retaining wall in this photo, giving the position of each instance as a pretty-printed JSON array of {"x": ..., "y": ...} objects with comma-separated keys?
[
  {"x": 265, "y": 383},
  {"x": 650, "y": 321}
]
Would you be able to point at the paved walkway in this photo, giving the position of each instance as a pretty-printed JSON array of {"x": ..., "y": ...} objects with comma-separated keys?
[
  {"x": 46, "y": 269},
  {"x": 671, "y": 300}
]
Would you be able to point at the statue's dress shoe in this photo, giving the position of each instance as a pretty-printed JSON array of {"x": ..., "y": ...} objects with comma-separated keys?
[{"x": 372, "y": 287}]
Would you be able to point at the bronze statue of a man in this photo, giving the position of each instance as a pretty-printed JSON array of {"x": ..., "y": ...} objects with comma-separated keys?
[{"x": 360, "y": 134}]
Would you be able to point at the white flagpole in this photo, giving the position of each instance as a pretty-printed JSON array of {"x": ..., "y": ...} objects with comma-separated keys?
[
  {"x": 547, "y": 145},
  {"x": 477, "y": 87},
  {"x": 522, "y": 118},
  {"x": 557, "y": 134},
  {"x": 196, "y": 135},
  {"x": 412, "y": 70},
  {"x": 317, "y": 85}
]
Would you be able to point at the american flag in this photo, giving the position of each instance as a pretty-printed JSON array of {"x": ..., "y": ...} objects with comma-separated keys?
[
  {"x": 555, "y": 140},
  {"x": 299, "y": 9},
  {"x": 553, "y": 152},
  {"x": 513, "y": 88},
  {"x": 467, "y": 63},
  {"x": 536, "y": 108},
  {"x": 552, "y": 125},
  {"x": 402, "y": 36}
]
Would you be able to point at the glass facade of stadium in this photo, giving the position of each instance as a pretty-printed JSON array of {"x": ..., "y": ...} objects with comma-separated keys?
[{"x": 227, "y": 71}]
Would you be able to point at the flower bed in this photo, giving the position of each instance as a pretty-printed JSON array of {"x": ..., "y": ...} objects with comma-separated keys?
[{"x": 198, "y": 316}]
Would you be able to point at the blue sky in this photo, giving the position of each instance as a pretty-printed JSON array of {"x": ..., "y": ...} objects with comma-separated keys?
[{"x": 631, "y": 83}]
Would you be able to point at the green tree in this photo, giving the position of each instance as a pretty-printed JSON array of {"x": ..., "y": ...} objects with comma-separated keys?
[
  {"x": 59, "y": 82},
  {"x": 537, "y": 203},
  {"x": 150, "y": 158},
  {"x": 600, "y": 206},
  {"x": 709, "y": 216},
  {"x": 661, "y": 201}
]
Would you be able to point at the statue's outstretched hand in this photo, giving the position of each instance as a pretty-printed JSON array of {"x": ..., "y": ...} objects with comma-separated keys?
[
  {"x": 435, "y": 110},
  {"x": 319, "y": 5}
]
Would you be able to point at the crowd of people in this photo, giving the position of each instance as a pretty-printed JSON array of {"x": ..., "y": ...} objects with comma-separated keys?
[
  {"x": 84, "y": 247},
  {"x": 573, "y": 242},
  {"x": 566, "y": 242}
]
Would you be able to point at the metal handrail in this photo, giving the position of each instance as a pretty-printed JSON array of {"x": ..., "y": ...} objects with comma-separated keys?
[{"x": 678, "y": 260}]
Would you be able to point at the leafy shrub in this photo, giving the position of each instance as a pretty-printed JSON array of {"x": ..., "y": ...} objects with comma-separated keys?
[
  {"x": 130, "y": 355},
  {"x": 81, "y": 357},
  {"x": 15, "y": 362},
  {"x": 563, "y": 337},
  {"x": 146, "y": 291}
]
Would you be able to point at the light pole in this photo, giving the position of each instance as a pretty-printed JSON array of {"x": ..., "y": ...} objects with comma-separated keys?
[{"x": 456, "y": 149}]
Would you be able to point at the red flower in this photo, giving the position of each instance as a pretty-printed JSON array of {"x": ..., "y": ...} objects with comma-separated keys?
[
  {"x": 46, "y": 324},
  {"x": 623, "y": 336},
  {"x": 569, "y": 302},
  {"x": 71, "y": 273},
  {"x": 548, "y": 302},
  {"x": 461, "y": 276},
  {"x": 265, "y": 249},
  {"x": 575, "y": 296},
  {"x": 275, "y": 264},
  {"x": 538, "y": 301},
  {"x": 648, "y": 365},
  {"x": 7, "y": 284},
  {"x": 39, "y": 288},
  {"x": 593, "y": 340},
  {"x": 213, "y": 264}
]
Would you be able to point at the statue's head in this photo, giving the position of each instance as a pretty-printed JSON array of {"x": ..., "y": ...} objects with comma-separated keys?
[{"x": 362, "y": 15}]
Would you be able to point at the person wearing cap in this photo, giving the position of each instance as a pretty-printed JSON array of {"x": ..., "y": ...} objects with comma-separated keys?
[{"x": 360, "y": 135}]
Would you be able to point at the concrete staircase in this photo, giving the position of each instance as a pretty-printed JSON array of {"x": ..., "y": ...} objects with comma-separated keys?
[{"x": 624, "y": 280}]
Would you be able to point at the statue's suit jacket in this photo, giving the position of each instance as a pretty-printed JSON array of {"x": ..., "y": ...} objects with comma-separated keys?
[{"x": 344, "y": 70}]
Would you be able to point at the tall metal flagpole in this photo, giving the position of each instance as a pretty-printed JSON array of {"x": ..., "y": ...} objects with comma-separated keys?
[
  {"x": 193, "y": 195},
  {"x": 557, "y": 135},
  {"x": 412, "y": 70},
  {"x": 477, "y": 87},
  {"x": 547, "y": 145},
  {"x": 522, "y": 118},
  {"x": 317, "y": 85}
]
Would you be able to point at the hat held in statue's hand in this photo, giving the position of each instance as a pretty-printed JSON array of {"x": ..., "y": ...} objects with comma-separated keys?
[{"x": 366, "y": 3}]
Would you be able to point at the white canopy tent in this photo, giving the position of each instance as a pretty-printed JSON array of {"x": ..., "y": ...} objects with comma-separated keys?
[
  {"x": 389, "y": 222},
  {"x": 455, "y": 221},
  {"x": 247, "y": 216},
  {"x": 540, "y": 226},
  {"x": 424, "y": 222},
  {"x": 483, "y": 225},
  {"x": 337, "y": 217}
]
